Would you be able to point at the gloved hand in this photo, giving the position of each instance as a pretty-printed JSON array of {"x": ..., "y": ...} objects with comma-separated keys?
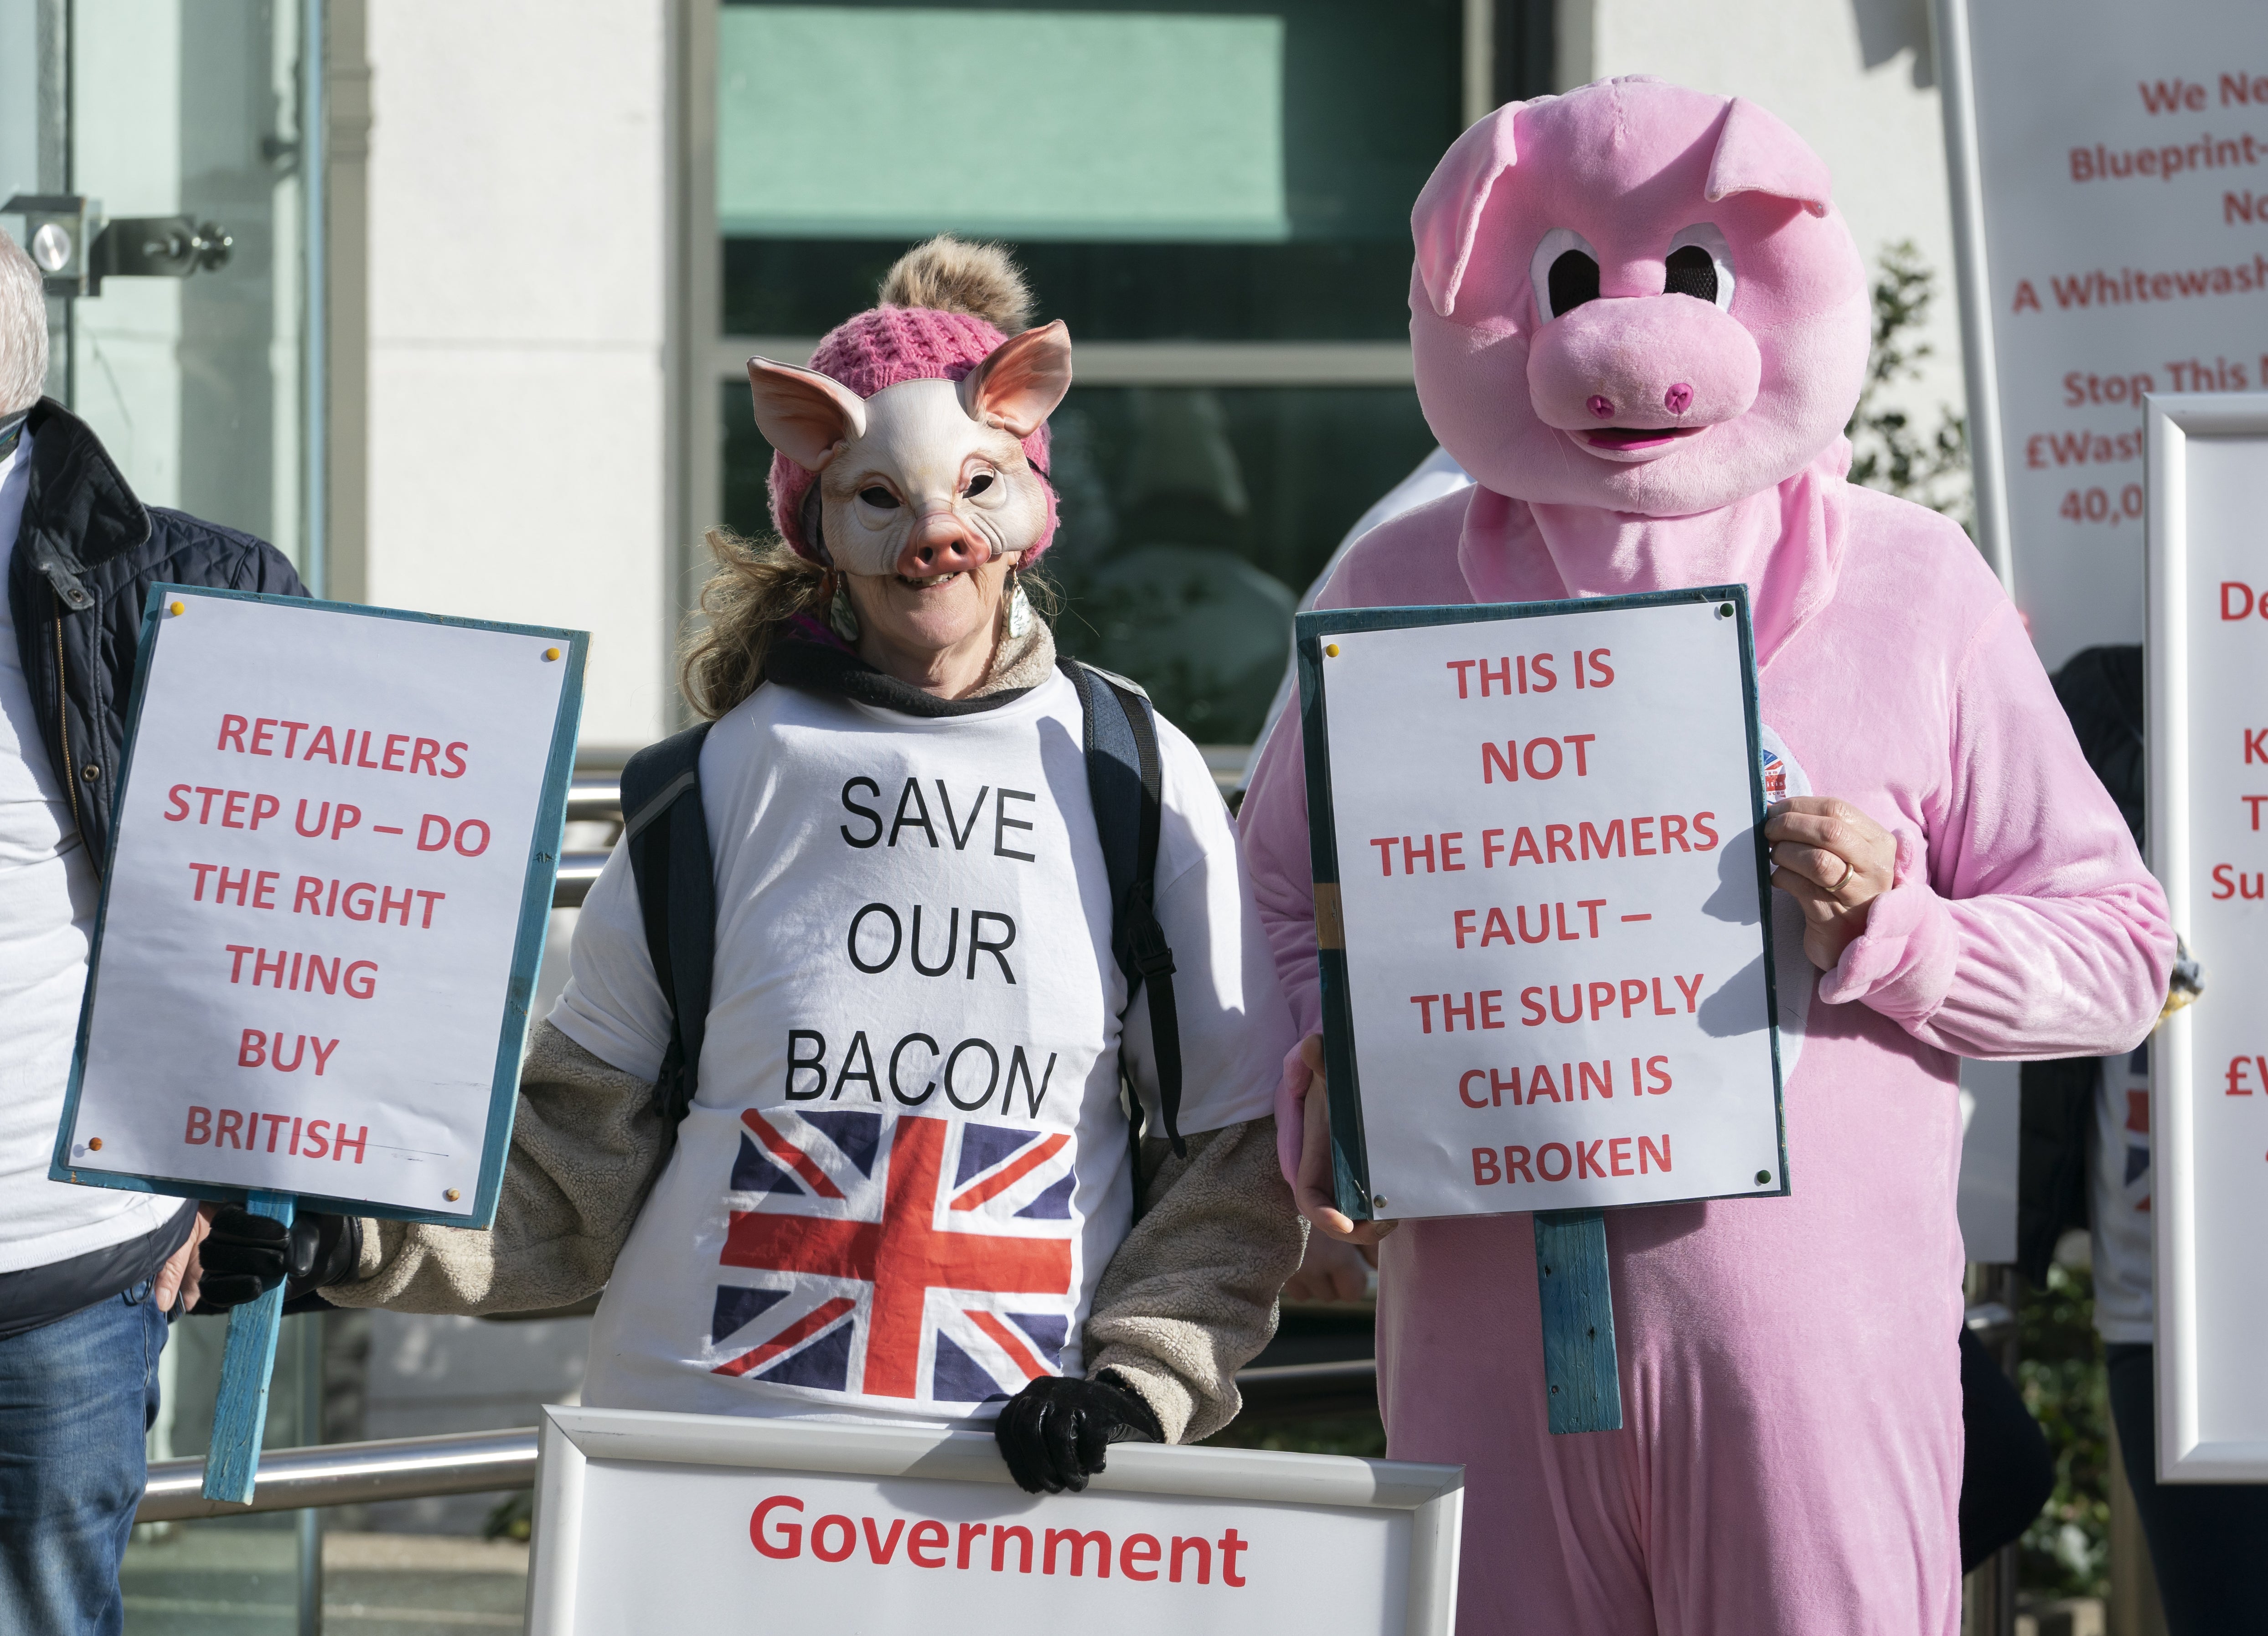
[
  {"x": 246, "y": 1255},
  {"x": 1054, "y": 1432}
]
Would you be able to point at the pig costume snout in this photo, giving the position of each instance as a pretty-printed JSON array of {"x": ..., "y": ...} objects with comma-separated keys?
[
  {"x": 1715, "y": 298},
  {"x": 1660, "y": 363}
]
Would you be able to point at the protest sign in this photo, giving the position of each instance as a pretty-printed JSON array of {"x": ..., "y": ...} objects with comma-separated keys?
[
  {"x": 2109, "y": 178},
  {"x": 1542, "y": 921},
  {"x": 1541, "y": 904},
  {"x": 923, "y": 1530},
  {"x": 2208, "y": 784},
  {"x": 334, "y": 836}
]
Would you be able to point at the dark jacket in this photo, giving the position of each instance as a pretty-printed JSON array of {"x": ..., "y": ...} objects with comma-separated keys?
[
  {"x": 86, "y": 554},
  {"x": 2101, "y": 691},
  {"x": 86, "y": 557}
]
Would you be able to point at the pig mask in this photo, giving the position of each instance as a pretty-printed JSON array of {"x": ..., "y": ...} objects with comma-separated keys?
[
  {"x": 928, "y": 476},
  {"x": 1635, "y": 298}
]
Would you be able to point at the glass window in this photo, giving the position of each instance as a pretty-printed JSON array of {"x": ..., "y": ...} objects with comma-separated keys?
[
  {"x": 1202, "y": 170},
  {"x": 194, "y": 384},
  {"x": 1199, "y": 172}
]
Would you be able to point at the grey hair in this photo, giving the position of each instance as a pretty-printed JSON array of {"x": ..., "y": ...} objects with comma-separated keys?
[{"x": 23, "y": 329}]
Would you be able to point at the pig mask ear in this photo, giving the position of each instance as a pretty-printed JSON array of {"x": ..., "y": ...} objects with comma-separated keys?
[
  {"x": 1447, "y": 217},
  {"x": 802, "y": 413},
  {"x": 1757, "y": 153},
  {"x": 1019, "y": 384}
]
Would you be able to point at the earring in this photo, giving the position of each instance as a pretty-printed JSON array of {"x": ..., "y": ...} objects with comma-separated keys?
[
  {"x": 841, "y": 618},
  {"x": 1019, "y": 606}
]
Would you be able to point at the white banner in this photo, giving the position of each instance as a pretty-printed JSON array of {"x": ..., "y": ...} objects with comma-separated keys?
[
  {"x": 1543, "y": 830},
  {"x": 2111, "y": 195},
  {"x": 313, "y": 960},
  {"x": 2208, "y": 793},
  {"x": 692, "y": 1522}
]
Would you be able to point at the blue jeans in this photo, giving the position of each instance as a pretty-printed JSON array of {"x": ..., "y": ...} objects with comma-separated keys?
[{"x": 77, "y": 1398}]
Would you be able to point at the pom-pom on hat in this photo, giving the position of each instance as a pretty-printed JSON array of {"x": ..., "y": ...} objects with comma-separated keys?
[{"x": 945, "y": 304}]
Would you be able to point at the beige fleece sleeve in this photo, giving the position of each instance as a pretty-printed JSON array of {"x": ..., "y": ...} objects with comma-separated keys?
[
  {"x": 586, "y": 1144},
  {"x": 1189, "y": 1299}
]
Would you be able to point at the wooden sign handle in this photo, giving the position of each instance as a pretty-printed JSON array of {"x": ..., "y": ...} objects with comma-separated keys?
[
  {"x": 1585, "y": 1391},
  {"x": 247, "y": 1362}
]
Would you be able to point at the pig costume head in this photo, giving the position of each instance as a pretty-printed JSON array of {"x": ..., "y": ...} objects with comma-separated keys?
[
  {"x": 1635, "y": 297},
  {"x": 916, "y": 444}
]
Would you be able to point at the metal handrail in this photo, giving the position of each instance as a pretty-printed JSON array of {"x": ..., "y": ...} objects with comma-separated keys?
[
  {"x": 419, "y": 1468},
  {"x": 349, "y": 1474},
  {"x": 594, "y": 798}
]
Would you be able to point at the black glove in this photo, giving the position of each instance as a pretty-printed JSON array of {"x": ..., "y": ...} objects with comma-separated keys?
[
  {"x": 246, "y": 1255},
  {"x": 1054, "y": 1432}
]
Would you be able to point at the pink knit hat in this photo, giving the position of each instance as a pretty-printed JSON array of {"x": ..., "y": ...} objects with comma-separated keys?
[{"x": 881, "y": 348}]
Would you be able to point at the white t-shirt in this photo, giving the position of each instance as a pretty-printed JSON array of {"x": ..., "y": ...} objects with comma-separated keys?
[
  {"x": 906, "y": 1166},
  {"x": 2124, "y": 1306},
  {"x": 47, "y": 894}
]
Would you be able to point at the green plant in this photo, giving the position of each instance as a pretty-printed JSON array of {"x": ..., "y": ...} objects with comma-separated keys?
[
  {"x": 2066, "y": 1550},
  {"x": 1887, "y": 452},
  {"x": 513, "y": 1517}
]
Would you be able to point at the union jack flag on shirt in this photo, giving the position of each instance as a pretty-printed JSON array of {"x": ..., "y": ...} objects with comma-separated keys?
[{"x": 896, "y": 1257}]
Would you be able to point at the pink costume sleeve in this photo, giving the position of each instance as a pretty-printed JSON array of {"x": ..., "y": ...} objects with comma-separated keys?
[
  {"x": 2024, "y": 924},
  {"x": 1273, "y": 820}
]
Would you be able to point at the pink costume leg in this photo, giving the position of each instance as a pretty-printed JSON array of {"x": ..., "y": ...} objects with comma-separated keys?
[{"x": 1790, "y": 1459}]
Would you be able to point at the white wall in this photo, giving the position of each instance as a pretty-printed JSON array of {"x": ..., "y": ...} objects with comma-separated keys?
[
  {"x": 1854, "y": 77},
  {"x": 517, "y": 284}
]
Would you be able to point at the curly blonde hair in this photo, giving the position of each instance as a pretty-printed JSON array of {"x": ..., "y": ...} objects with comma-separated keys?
[{"x": 758, "y": 587}]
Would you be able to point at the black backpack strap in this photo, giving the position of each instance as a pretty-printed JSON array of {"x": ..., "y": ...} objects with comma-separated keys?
[
  {"x": 667, "y": 835},
  {"x": 1125, "y": 777}
]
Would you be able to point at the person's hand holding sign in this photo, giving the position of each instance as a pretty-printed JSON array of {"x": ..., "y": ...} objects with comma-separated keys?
[
  {"x": 1313, "y": 1194},
  {"x": 1834, "y": 861}
]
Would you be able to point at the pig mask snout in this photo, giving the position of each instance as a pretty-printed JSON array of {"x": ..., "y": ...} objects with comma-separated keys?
[
  {"x": 1666, "y": 363},
  {"x": 940, "y": 542}
]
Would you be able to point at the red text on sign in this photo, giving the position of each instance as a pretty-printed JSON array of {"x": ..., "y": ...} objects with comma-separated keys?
[
  {"x": 1602, "y": 1160},
  {"x": 253, "y": 1051},
  {"x": 1485, "y": 1087},
  {"x": 397, "y": 752},
  {"x": 289, "y": 967},
  {"x": 775, "y": 1529},
  {"x": 307, "y": 1138}
]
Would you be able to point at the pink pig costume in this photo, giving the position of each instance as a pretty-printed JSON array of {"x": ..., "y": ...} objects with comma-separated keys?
[{"x": 1790, "y": 1459}]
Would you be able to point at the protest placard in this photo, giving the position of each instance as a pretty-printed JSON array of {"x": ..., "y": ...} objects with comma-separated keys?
[
  {"x": 335, "y": 833},
  {"x": 923, "y": 1530},
  {"x": 2208, "y": 784},
  {"x": 2110, "y": 177},
  {"x": 1541, "y": 904},
  {"x": 1542, "y": 922}
]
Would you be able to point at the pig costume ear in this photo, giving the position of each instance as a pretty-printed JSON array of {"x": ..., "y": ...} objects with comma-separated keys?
[
  {"x": 1757, "y": 153},
  {"x": 1021, "y": 381},
  {"x": 1447, "y": 217},
  {"x": 802, "y": 413}
]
